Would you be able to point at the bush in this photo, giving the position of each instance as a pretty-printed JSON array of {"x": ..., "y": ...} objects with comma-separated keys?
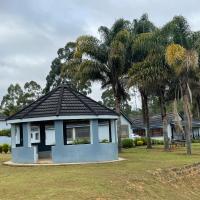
[
  {"x": 157, "y": 142},
  {"x": 81, "y": 141},
  {"x": 195, "y": 140},
  {"x": 104, "y": 141},
  {"x": 1, "y": 149},
  {"x": 140, "y": 143},
  {"x": 127, "y": 143},
  {"x": 144, "y": 140},
  {"x": 5, "y": 148},
  {"x": 5, "y": 132}
]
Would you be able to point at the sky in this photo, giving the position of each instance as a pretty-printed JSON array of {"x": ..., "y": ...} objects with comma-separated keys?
[{"x": 32, "y": 31}]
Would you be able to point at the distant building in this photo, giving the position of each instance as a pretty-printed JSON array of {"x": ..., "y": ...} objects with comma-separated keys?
[
  {"x": 156, "y": 127},
  {"x": 126, "y": 126},
  {"x": 3, "y": 124}
]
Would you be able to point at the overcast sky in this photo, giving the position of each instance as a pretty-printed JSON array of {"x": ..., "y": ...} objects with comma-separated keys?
[{"x": 31, "y": 31}]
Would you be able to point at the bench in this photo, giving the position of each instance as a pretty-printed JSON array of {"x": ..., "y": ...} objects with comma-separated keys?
[{"x": 177, "y": 143}]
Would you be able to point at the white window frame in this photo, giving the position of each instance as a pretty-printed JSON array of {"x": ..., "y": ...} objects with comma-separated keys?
[
  {"x": 33, "y": 134},
  {"x": 50, "y": 127},
  {"x": 73, "y": 127},
  {"x": 17, "y": 134}
]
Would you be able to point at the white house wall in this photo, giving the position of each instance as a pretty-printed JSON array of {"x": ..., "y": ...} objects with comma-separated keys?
[
  {"x": 124, "y": 121},
  {"x": 3, "y": 125}
]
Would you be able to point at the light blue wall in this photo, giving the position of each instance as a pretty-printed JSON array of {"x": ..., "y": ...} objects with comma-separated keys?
[
  {"x": 85, "y": 153},
  {"x": 24, "y": 154},
  {"x": 94, "y": 152}
]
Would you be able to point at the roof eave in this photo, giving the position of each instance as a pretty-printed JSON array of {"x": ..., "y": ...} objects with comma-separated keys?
[{"x": 52, "y": 118}]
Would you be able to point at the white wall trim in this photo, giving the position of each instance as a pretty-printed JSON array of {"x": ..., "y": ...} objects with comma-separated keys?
[{"x": 62, "y": 118}]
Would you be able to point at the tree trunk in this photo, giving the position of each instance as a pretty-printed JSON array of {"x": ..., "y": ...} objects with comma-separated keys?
[
  {"x": 145, "y": 112},
  {"x": 164, "y": 120},
  {"x": 187, "y": 118},
  {"x": 198, "y": 106},
  {"x": 118, "y": 110}
]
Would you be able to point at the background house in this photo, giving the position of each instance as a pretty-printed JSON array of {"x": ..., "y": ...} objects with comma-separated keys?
[
  {"x": 3, "y": 124},
  {"x": 156, "y": 127},
  {"x": 126, "y": 126}
]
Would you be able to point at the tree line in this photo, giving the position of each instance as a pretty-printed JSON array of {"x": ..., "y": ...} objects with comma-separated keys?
[{"x": 161, "y": 62}]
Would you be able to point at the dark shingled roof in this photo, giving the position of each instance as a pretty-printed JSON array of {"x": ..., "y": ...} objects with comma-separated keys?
[
  {"x": 62, "y": 101},
  {"x": 154, "y": 121},
  {"x": 2, "y": 117}
]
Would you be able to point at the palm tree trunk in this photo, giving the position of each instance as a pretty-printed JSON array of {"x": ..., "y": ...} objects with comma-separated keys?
[
  {"x": 145, "y": 112},
  {"x": 118, "y": 110},
  {"x": 164, "y": 120},
  {"x": 198, "y": 106},
  {"x": 188, "y": 123},
  {"x": 187, "y": 118}
]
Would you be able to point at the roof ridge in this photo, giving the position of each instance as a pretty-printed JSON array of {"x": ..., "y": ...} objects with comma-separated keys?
[{"x": 60, "y": 100}]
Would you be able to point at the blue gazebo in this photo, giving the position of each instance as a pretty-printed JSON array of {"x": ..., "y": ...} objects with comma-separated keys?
[{"x": 64, "y": 126}]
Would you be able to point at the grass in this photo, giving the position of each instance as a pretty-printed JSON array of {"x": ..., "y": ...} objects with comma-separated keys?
[{"x": 129, "y": 179}]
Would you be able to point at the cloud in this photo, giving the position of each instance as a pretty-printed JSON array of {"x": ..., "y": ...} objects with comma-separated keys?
[{"x": 32, "y": 31}]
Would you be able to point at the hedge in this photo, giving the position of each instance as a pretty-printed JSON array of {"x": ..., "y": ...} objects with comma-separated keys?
[{"x": 5, "y": 132}]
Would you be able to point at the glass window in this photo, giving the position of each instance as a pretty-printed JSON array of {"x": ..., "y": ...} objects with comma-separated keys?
[
  {"x": 69, "y": 135},
  {"x": 17, "y": 134},
  {"x": 104, "y": 131},
  {"x": 77, "y": 132},
  {"x": 35, "y": 134}
]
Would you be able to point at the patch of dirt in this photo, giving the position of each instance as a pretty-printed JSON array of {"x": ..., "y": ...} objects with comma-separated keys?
[{"x": 172, "y": 175}]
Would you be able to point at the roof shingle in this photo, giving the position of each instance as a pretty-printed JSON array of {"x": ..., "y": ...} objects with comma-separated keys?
[{"x": 62, "y": 101}]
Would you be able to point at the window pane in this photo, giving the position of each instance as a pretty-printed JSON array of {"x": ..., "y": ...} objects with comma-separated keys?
[
  {"x": 69, "y": 132},
  {"x": 35, "y": 134},
  {"x": 104, "y": 131},
  {"x": 77, "y": 132},
  {"x": 17, "y": 134}
]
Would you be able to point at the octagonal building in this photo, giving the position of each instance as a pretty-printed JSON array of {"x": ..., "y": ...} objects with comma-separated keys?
[{"x": 64, "y": 126}]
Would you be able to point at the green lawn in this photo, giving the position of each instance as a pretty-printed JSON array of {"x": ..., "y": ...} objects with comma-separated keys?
[{"x": 129, "y": 179}]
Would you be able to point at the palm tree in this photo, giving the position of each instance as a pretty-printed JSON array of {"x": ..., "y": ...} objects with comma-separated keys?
[
  {"x": 183, "y": 59},
  {"x": 141, "y": 31},
  {"x": 184, "y": 63},
  {"x": 106, "y": 60}
]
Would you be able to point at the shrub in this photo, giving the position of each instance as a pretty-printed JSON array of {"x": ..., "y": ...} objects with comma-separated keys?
[
  {"x": 81, "y": 141},
  {"x": 144, "y": 140},
  {"x": 127, "y": 143},
  {"x": 5, "y": 148},
  {"x": 5, "y": 132},
  {"x": 195, "y": 140},
  {"x": 140, "y": 143},
  {"x": 161, "y": 142},
  {"x": 104, "y": 141},
  {"x": 157, "y": 142},
  {"x": 1, "y": 149}
]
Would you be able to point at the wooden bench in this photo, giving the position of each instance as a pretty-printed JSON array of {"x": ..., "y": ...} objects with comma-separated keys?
[{"x": 177, "y": 143}]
